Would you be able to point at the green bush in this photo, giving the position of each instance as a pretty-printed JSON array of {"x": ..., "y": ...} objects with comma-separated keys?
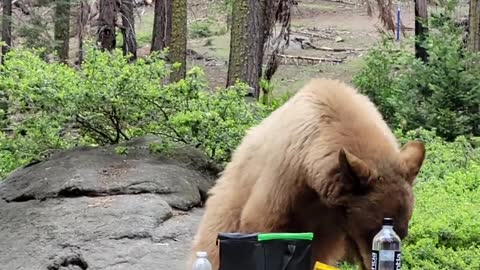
[
  {"x": 110, "y": 100},
  {"x": 442, "y": 157},
  {"x": 442, "y": 94},
  {"x": 444, "y": 232},
  {"x": 207, "y": 28}
]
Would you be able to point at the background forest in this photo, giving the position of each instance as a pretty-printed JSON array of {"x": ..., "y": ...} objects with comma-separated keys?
[{"x": 201, "y": 72}]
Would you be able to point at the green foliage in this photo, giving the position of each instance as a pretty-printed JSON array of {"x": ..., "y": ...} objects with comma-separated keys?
[
  {"x": 34, "y": 31},
  {"x": 207, "y": 28},
  {"x": 445, "y": 229},
  {"x": 442, "y": 157},
  {"x": 200, "y": 29},
  {"x": 442, "y": 94},
  {"x": 444, "y": 232},
  {"x": 110, "y": 100}
]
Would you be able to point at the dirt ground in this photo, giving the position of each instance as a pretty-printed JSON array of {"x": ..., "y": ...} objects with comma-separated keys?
[
  {"x": 338, "y": 24},
  {"x": 315, "y": 23},
  {"x": 334, "y": 24}
]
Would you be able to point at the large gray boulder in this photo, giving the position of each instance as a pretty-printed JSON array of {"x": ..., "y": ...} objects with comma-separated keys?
[{"x": 91, "y": 208}]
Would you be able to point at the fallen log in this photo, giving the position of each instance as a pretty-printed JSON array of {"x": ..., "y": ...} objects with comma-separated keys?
[
  {"x": 343, "y": 2},
  {"x": 296, "y": 59},
  {"x": 310, "y": 34},
  {"x": 322, "y": 48}
]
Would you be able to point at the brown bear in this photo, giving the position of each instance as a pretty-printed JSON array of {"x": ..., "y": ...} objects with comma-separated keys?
[{"x": 324, "y": 162}]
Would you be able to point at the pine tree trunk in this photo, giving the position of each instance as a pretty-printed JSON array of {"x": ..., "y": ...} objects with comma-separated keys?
[
  {"x": 6, "y": 26},
  {"x": 7, "y": 38},
  {"x": 474, "y": 25},
  {"x": 128, "y": 29},
  {"x": 62, "y": 29},
  {"x": 474, "y": 38},
  {"x": 421, "y": 17},
  {"x": 82, "y": 22},
  {"x": 106, "y": 23},
  {"x": 162, "y": 25},
  {"x": 246, "y": 43},
  {"x": 178, "y": 39}
]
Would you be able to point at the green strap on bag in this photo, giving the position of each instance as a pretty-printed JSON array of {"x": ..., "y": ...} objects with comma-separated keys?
[{"x": 285, "y": 236}]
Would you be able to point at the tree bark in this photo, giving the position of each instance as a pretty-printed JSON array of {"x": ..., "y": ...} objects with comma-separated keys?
[
  {"x": 6, "y": 26},
  {"x": 421, "y": 19},
  {"x": 107, "y": 21},
  {"x": 62, "y": 29},
  {"x": 82, "y": 22},
  {"x": 474, "y": 26},
  {"x": 246, "y": 43},
  {"x": 178, "y": 39},
  {"x": 162, "y": 25},
  {"x": 7, "y": 38},
  {"x": 128, "y": 29},
  {"x": 474, "y": 38}
]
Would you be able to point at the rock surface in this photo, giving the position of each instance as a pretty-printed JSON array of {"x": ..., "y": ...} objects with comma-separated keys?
[{"x": 91, "y": 208}]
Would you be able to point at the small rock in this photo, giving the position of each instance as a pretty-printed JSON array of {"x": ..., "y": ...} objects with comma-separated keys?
[{"x": 339, "y": 39}]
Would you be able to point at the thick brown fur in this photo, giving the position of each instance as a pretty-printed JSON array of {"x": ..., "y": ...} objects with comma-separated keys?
[{"x": 324, "y": 162}]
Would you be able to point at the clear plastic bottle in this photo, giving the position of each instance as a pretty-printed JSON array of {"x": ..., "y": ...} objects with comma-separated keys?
[
  {"x": 202, "y": 262},
  {"x": 386, "y": 248}
]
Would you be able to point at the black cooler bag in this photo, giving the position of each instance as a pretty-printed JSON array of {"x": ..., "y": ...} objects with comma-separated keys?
[{"x": 265, "y": 251}]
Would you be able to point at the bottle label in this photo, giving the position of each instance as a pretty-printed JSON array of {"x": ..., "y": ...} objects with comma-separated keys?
[
  {"x": 374, "y": 260},
  {"x": 398, "y": 260},
  {"x": 386, "y": 256}
]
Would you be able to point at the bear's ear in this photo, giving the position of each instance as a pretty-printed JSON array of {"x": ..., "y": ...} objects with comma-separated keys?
[
  {"x": 412, "y": 156},
  {"x": 355, "y": 170}
]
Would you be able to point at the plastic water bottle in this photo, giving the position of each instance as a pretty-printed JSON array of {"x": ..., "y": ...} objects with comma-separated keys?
[
  {"x": 386, "y": 248},
  {"x": 202, "y": 262}
]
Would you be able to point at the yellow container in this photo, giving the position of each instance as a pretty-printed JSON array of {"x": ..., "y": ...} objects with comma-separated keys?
[{"x": 322, "y": 266}]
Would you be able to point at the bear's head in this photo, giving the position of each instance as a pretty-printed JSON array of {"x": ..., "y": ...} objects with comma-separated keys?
[{"x": 371, "y": 192}]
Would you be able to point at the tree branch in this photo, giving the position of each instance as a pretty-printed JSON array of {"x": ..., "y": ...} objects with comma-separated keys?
[{"x": 87, "y": 125}]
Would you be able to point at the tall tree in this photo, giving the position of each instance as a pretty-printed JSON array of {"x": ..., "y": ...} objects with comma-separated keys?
[
  {"x": 7, "y": 38},
  {"x": 474, "y": 26},
  {"x": 107, "y": 20},
  {"x": 252, "y": 25},
  {"x": 474, "y": 36},
  {"x": 421, "y": 19},
  {"x": 128, "y": 29},
  {"x": 82, "y": 20},
  {"x": 6, "y": 26},
  {"x": 246, "y": 48},
  {"x": 162, "y": 25},
  {"x": 178, "y": 39},
  {"x": 62, "y": 28}
]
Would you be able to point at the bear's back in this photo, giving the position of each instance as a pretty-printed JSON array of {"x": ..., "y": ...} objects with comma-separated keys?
[
  {"x": 347, "y": 118},
  {"x": 318, "y": 120}
]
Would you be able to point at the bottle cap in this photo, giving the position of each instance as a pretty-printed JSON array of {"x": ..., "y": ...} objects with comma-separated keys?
[
  {"x": 201, "y": 254},
  {"x": 388, "y": 221}
]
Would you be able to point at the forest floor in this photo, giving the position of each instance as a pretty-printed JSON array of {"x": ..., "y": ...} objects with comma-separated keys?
[
  {"x": 317, "y": 27},
  {"x": 321, "y": 23}
]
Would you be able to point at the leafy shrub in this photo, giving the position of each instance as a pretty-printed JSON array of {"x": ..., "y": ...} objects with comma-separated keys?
[
  {"x": 445, "y": 229},
  {"x": 110, "y": 100},
  {"x": 442, "y": 94},
  {"x": 201, "y": 29},
  {"x": 444, "y": 232},
  {"x": 442, "y": 157},
  {"x": 54, "y": 106},
  {"x": 207, "y": 28}
]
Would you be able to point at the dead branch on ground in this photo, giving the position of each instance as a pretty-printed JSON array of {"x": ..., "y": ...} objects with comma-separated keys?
[{"x": 296, "y": 59}]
